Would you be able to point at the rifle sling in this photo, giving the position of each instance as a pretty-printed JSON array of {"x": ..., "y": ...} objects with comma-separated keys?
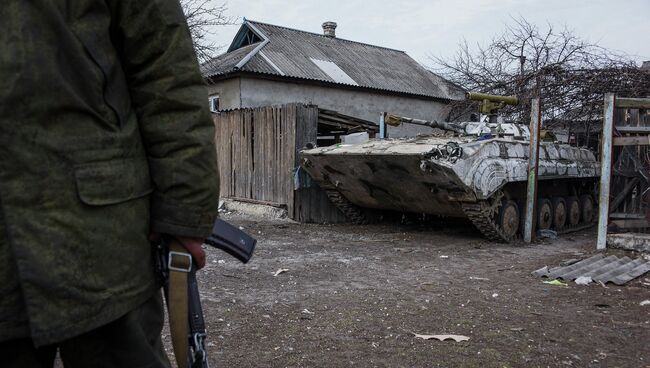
[{"x": 177, "y": 300}]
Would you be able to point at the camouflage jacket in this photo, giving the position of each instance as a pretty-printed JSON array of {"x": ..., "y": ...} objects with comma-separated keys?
[{"x": 104, "y": 135}]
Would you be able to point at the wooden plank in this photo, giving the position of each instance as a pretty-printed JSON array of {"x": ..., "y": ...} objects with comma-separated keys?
[
  {"x": 620, "y": 215},
  {"x": 260, "y": 144},
  {"x": 248, "y": 128},
  {"x": 279, "y": 160},
  {"x": 633, "y": 129},
  {"x": 307, "y": 132},
  {"x": 282, "y": 176},
  {"x": 620, "y": 197},
  {"x": 276, "y": 191},
  {"x": 234, "y": 142},
  {"x": 257, "y": 201},
  {"x": 631, "y": 224},
  {"x": 633, "y": 103},
  {"x": 233, "y": 153},
  {"x": 266, "y": 158},
  {"x": 226, "y": 163},
  {"x": 245, "y": 143},
  {"x": 271, "y": 159},
  {"x": 229, "y": 158},
  {"x": 224, "y": 145},
  {"x": 238, "y": 121},
  {"x": 222, "y": 140},
  {"x": 258, "y": 149},
  {"x": 260, "y": 116},
  {"x": 242, "y": 142},
  {"x": 333, "y": 118},
  {"x": 240, "y": 181},
  {"x": 219, "y": 143},
  {"x": 632, "y": 141},
  {"x": 292, "y": 121},
  {"x": 268, "y": 153},
  {"x": 605, "y": 170},
  {"x": 533, "y": 163}
]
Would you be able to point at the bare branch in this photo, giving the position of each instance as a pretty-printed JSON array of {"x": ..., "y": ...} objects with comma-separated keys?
[
  {"x": 570, "y": 74},
  {"x": 203, "y": 18}
]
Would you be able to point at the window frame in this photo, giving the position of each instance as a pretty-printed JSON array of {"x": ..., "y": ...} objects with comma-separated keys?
[{"x": 211, "y": 100}]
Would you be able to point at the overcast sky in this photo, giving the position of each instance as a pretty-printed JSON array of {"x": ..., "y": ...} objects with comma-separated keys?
[{"x": 435, "y": 27}]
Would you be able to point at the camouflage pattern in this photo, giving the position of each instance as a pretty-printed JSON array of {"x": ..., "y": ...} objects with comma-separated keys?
[
  {"x": 133, "y": 340},
  {"x": 104, "y": 135}
]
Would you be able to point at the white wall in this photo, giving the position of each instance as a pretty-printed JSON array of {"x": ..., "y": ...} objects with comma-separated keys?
[
  {"x": 229, "y": 93},
  {"x": 362, "y": 104}
]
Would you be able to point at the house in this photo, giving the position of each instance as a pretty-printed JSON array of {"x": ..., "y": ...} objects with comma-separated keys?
[{"x": 272, "y": 65}]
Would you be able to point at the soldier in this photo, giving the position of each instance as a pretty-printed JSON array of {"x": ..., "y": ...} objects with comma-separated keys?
[{"x": 105, "y": 138}]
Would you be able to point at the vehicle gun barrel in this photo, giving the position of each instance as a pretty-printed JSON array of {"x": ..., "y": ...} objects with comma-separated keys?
[{"x": 394, "y": 120}]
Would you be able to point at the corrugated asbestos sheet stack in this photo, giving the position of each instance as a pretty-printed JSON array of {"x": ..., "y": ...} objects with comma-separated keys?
[{"x": 600, "y": 268}]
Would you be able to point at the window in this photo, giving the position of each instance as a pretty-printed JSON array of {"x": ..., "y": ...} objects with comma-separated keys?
[{"x": 214, "y": 103}]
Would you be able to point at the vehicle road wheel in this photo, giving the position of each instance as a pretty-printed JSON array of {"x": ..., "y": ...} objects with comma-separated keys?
[
  {"x": 559, "y": 213},
  {"x": 573, "y": 211},
  {"x": 509, "y": 219},
  {"x": 544, "y": 214},
  {"x": 587, "y": 208}
]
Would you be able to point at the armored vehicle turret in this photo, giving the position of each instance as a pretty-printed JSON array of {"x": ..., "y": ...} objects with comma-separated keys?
[{"x": 476, "y": 170}]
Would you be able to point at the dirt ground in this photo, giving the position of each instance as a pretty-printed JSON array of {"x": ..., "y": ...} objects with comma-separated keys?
[{"x": 355, "y": 296}]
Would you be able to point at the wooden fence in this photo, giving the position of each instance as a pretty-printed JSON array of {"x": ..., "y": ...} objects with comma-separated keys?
[
  {"x": 258, "y": 150},
  {"x": 624, "y": 202}
]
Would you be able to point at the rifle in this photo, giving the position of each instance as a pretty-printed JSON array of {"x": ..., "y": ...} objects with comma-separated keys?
[{"x": 177, "y": 272}]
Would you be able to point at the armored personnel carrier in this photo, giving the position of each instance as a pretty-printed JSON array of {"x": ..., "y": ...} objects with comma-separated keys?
[{"x": 476, "y": 170}]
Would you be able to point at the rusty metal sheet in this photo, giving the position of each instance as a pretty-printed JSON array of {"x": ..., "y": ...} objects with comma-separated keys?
[{"x": 600, "y": 268}]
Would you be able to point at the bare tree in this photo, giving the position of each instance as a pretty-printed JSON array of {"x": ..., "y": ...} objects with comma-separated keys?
[
  {"x": 569, "y": 74},
  {"x": 203, "y": 17}
]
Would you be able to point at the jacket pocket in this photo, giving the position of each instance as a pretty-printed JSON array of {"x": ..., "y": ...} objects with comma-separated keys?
[{"x": 112, "y": 182}]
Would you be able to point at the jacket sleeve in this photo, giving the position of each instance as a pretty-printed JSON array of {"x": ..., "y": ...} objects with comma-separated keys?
[{"x": 170, "y": 100}]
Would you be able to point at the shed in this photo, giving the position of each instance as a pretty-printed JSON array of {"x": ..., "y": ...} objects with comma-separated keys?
[{"x": 257, "y": 149}]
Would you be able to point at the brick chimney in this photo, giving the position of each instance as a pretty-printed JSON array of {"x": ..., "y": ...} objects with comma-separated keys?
[{"x": 329, "y": 29}]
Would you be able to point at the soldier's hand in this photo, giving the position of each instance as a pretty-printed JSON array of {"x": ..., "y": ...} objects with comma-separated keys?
[{"x": 195, "y": 247}]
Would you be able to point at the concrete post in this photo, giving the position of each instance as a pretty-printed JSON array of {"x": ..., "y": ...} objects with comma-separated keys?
[
  {"x": 605, "y": 170},
  {"x": 533, "y": 162}
]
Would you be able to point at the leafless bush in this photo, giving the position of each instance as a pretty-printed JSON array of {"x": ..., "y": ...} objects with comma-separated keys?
[{"x": 568, "y": 73}]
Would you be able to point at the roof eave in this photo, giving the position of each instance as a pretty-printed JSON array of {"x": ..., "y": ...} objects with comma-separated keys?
[{"x": 275, "y": 77}]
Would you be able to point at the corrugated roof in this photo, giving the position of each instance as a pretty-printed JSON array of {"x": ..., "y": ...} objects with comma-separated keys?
[
  {"x": 227, "y": 61},
  {"x": 289, "y": 52},
  {"x": 599, "y": 268}
]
